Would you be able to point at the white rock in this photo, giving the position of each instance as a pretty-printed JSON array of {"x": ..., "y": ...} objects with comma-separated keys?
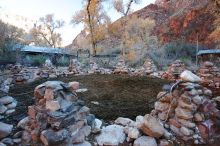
[
  {"x": 17, "y": 140},
  {"x": 81, "y": 90},
  {"x": 23, "y": 122},
  {"x": 12, "y": 105},
  {"x": 145, "y": 141},
  {"x": 97, "y": 126},
  {"x": 5, "y": 129},
  {"x": 124, "y": 121},
  {"x": 186, "y": 131},
  {"x": 2, "y": 109},
  {"x": 7, "y": 141},
  {"x": 95, "y": 102},
  {"x": 8, "y": 112},
  {"x": 197, "y": 99},
  {"x": 217, "y": 99},
  {"x": 86, "y": 143},
  {"x": 111, "y": 135},
  {"x": 6, "y": 100},
  {"x": 74, "y": 85},
  {"x": 188, "y": 76},
  {"x": 133, "y": 133},
  {"x": 139, "y": 121},
  {"x": 2, "y": 144}
]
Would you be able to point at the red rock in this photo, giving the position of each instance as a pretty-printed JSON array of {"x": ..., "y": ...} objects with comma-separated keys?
[
  {"x": 32, "y": 112},
  {"x": 175, "y": 123},
  {"x": 152, "y": 127},
  {"x": 203, "y": 131},
  {"x": 183, "y": 113},
  {"x": 49, "y": 95}
]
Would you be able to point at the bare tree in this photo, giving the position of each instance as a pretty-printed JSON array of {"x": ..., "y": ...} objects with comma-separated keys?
[
  {"x": 124, "y": 9},
  {"x": 45, "y": 32}
]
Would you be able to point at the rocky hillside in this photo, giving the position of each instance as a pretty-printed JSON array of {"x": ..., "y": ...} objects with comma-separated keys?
[
  {"x": 181, "y": 20},
  {"x": 175, "y": 19}
]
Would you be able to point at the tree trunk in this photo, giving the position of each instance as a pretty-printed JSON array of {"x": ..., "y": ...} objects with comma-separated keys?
[
  {"x": 125, "y": 24},
  {"x": 91, "y": 29}
]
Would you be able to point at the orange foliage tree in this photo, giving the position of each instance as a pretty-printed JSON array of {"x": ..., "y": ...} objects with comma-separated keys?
[
  {"x": 95, "y": 21},
  {"x": 137, "y": 35},
  {"x": 124, "y": 9}
]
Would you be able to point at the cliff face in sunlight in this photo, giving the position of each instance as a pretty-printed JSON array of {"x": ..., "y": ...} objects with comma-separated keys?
[
  {"x": 176, "y": 19},
  {"x": 183, "y": 19}
]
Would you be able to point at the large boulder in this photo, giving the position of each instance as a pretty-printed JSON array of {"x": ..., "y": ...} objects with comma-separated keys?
[
  {"x": 111, "y": 135},
  {"x": 124, "y": 121},
  {"x": 188, "y": 76},
  {"x": 145, "y": 141},
  {"x": 6, "y": 100},
  {"x": 152, "y": 127},
  {"x": 50, "y": 137},
  {"x": 5, "y": 129}
]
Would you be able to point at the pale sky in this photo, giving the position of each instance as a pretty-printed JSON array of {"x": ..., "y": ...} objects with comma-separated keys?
[{"x": 62, "y": 9}]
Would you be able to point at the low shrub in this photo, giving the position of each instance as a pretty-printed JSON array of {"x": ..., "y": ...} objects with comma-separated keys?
[
  {"x": 35, "y": 60},
  {"x": 63, "y": 61},
  {"x": 172, "y": 51}
]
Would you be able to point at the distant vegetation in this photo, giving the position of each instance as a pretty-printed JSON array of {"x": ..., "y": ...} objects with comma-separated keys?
[
  {"x": 9, "y": 37},
  {"x": 133, "y": 36},
  {"x": 174, "y": 50}
]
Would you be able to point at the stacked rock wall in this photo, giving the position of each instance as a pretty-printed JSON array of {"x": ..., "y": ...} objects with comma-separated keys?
[
  {"x": 210, "y": 76},
  {"x": 74, "y": 67},
  {"x": 7, "y": 105},
  {"x": 58, "y": 117},
  {"x": 148, "y": 68},
  {"x": 94, "y": 68},
  {"x": 186, "y": 114},
  {"x": 174, "y": 70},
  {"x": 120, "y": 67}
]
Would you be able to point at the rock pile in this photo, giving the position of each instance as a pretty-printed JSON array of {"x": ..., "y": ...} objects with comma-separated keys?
[
  {"x": 30, "y": 74},
  {"x": 48, "y": 65},
  {"x": 187, "y": 113},
  {"x": 58, "y": 117},
  {"x": 148, "y": 68},
  {"x": 94, "y": 68},
  {"x": 15, "y": 68},
  {"x": 210, "y": 76},
  {"x": 22, "y": 77},
  {"x": 5, "y": 130},
  {"x": 174, "y": 70},
  {"x": 5, "y": 86},
  {"x": 48, "y": 70},
  {"x": 74, "y": 67},
  {"x": 121, "y": 67},
  {"x": 7, "y": 105},
  {"x": 187, "y": 110}
]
